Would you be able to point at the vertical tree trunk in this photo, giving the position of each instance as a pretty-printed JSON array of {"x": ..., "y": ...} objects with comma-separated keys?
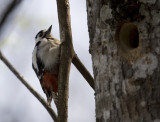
[
  {"x": 125, "y": 49},
  {"x": 66, "y": 55}
]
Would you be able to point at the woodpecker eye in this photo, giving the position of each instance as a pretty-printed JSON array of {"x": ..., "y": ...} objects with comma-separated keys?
[{"x": 41, "y": 34}]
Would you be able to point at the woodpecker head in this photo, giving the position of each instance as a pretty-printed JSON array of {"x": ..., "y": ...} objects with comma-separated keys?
[{"x": 43, "y": 34}]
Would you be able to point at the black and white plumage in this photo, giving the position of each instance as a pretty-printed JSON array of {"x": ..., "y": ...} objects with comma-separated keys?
[{"x": 45, "y": 62}]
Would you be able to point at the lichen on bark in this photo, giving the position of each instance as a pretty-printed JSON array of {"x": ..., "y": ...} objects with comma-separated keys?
[{"x": 126, "y": 81}]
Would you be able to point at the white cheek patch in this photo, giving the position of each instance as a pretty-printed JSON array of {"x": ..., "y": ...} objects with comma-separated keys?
[{"x": 37, "y": 39}]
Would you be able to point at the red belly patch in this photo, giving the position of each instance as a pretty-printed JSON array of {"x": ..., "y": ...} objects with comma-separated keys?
[{"x": 50, "y": 82}]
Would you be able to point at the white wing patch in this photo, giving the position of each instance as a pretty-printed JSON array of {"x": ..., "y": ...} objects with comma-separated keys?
[{"x": 34, "y": 58}]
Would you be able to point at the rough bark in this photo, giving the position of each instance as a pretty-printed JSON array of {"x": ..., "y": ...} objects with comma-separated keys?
[{"x": 125, "y": 49}]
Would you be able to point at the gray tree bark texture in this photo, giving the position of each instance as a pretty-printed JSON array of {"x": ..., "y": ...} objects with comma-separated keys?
[{"x": 125, "y": 48}]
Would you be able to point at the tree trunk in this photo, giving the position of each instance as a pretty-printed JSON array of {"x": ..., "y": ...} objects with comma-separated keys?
[{"x": 125, "y": 48}]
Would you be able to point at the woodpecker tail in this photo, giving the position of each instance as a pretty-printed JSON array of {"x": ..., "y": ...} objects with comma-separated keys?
[{"x": 55, "y": 98}]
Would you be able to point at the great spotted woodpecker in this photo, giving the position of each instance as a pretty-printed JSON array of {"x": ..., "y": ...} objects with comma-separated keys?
[{"x": 45, "y": 62}]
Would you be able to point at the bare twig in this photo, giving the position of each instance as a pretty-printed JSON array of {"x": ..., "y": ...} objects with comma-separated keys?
[
  {"x": 67, "y": 53},
  {"x": 23, "y": 81},
  {"x": 82, "y": 69},
  {"x": 8, "y": 10}
]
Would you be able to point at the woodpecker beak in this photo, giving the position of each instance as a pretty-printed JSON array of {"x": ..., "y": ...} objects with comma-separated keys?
[{"x": 48, "y": 31}]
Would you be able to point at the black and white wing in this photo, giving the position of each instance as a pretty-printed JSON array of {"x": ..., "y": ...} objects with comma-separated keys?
[{"x": 37, "y": 64}]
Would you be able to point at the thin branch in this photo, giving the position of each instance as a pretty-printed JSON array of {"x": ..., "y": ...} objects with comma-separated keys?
[
  {"x": 67, "y": 56},
  {"x": 9, "y": 10},
  {"x": 82, "y": 69},
  {"x": 23, "y": 81},
  {"x": 67, "y": 53}
]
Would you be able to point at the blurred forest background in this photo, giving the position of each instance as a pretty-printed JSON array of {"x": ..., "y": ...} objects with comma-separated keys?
[{"x": 17, "y": 36}]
